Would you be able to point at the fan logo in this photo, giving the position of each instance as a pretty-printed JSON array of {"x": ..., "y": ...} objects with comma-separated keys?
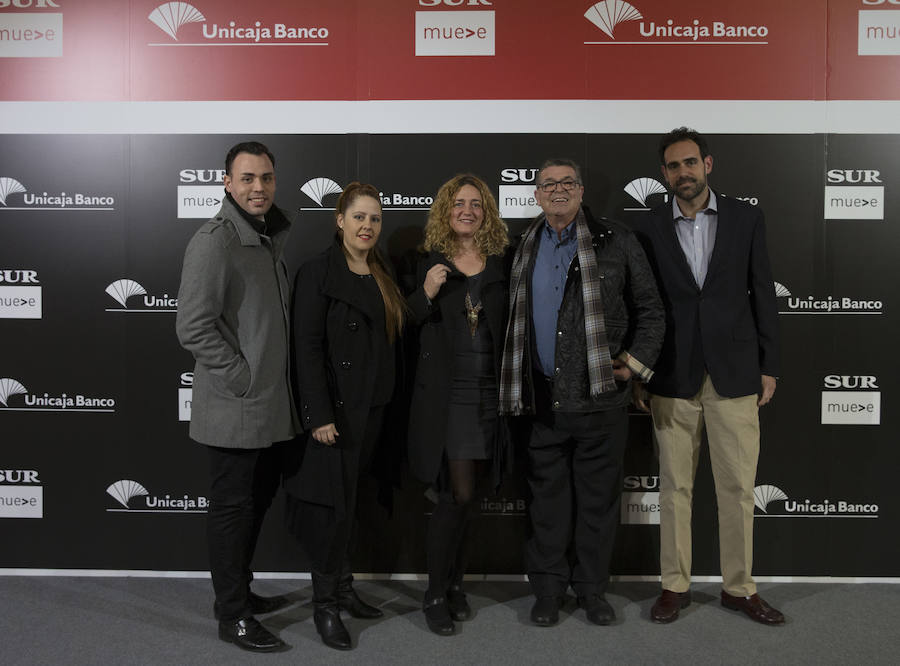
[
  {"x": 854, "y": 194},
  {"x": 31, "y": 34},
  {"x": 15, "y": 397},
  {"x": 850, "y": 400},
  {"x": 455, "y": 33},
  {"x": 197, "y": 201},
  {"x": 20, "y": 294},
  {"x": 178, "y": 19},
  {"x": 641, "y": 189},
  {"x": 185, "y": 396},
  {"x": 768, "y": 499},
  {"x": 609, "y": 15},
  {"x": 21, "y": 495},
  {"x": 132, "y": 497},
  {"x": 640, "y": 501},
  {"x": 828, "y": 305},
  {"x": 10, "y": 199},
  {"x": 122, "y": 291},
  {"x": 319, "y": 189}
]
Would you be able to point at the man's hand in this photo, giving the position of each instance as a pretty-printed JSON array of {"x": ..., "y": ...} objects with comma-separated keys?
[
  {"x": 621, "y": 371},
  {"x": 325, "y": 434},
  {"x": 640, "y": 396},
  {"x": 768, "y": 390}
]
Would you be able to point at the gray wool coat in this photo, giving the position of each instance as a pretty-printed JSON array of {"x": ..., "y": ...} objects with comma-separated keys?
[{"x": 233, "y": 317}]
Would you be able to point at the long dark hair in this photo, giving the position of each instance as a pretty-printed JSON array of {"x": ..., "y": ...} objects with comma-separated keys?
[{"x": 394, "y": 304}]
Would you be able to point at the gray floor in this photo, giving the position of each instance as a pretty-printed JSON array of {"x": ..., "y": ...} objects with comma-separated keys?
[{"x": 62, "y": 620}]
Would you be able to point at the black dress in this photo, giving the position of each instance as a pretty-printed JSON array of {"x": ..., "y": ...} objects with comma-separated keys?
[{"x": 472, "y": 409}]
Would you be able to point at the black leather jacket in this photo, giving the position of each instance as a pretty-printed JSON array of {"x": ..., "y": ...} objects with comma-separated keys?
[{"x": 632, "y": 309}]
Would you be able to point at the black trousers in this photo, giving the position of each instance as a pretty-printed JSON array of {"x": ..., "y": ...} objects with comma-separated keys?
[
  {"x": 242, "y": 485},
  {"x": 575, "y": 475}
]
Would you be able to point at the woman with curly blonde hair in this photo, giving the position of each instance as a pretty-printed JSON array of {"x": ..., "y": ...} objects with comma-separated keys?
[{"x": 458, "y": 305}]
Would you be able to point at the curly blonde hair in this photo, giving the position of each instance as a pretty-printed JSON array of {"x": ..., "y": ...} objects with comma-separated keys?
[{"x": 492, "y": 237}]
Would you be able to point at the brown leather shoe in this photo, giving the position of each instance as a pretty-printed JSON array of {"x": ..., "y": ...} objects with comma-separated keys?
[
  {"x": 667, "y": 606},
  {"x": 754, "y": 607}
]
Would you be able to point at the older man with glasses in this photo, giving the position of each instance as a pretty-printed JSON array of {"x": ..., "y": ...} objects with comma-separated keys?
[{"x": 585, "y": 317}]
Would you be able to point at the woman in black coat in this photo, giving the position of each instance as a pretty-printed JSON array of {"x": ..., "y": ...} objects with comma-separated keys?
[
  {"x": 347, "y": 314},
  {"x": 459, "y": 307}
]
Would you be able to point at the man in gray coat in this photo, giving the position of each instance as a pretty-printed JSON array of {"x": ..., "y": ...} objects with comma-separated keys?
[{"x": 233, "y": 317}]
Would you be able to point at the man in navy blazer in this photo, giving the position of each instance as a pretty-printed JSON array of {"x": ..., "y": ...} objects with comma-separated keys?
[{"x": 718, "y": 365}]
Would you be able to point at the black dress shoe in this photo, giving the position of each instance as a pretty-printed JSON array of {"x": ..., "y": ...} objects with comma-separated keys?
[
  {"x": 597, "y": 608},
  {"x": 262, "y": 605},
  {"x": 248, "y": 634},
  {"x": 545, "y": 612},
  {"x": 437, "y": 616},
  {"x": 333, "y": 632},
  {"x": 457, "y": 604},
  {"x": 349, "y": 600}
]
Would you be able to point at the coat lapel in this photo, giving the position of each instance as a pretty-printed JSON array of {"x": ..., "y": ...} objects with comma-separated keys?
[
  {"x": 342, "y": 285},
  {"x": 724, "y": 238}
]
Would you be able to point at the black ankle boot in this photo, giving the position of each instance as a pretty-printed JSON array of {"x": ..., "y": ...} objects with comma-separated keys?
[
  {"x": 437, "y": 616},
  {"x": 327, "y": 615},
  {"x": 457, "y": 604},
  {"x": 330, "y": 627}
]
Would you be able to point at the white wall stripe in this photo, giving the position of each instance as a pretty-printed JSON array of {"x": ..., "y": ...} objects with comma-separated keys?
[{"x": 453, "y": 116}]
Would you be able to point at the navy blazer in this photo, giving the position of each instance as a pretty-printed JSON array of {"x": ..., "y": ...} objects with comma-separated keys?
[{"x": 729, "y": 328}]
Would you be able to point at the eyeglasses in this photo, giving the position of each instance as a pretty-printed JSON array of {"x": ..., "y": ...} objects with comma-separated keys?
[{"x": 549, "y": 186}]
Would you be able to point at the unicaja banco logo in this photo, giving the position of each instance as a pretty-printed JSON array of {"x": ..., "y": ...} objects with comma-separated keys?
[
  {"x": 766, "y": 498},
  {"x": 48, "y": 200},
  {"x": 172, "y": 15},
  {"x": 124, "y": 492},
  {"x": 608, "y": 14},
  {"x": 122, "y": 290},
  {"x": 49, "y": 402},
  {"x": 827, "y": 305}
]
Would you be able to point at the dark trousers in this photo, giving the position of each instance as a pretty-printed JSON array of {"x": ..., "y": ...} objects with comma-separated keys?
[
  {"x": 242, "y": 485},
  {"x": 324, "y": 531},
  {"x": 575, "y": 476}
]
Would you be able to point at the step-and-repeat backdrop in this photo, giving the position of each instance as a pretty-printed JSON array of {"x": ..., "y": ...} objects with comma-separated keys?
[{"x": 114, "y": 121}]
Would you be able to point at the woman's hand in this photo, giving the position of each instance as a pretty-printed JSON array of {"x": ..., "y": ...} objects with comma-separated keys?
[
  {"x": 434, "y": 279},
  {"x": 325, "y": 434}
]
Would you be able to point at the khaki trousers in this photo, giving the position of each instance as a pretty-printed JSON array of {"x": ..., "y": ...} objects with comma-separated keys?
[{"x": 732, "y": 426}]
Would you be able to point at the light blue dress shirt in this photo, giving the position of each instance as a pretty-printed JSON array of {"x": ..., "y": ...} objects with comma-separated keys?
[{"x": 697, "y": 236}]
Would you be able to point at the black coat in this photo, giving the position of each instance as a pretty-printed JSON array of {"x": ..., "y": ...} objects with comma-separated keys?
[
  {"x": 335, "y": 372},
  {"x": 434, "y": 356},
  {"x": 729, "y": 328}
]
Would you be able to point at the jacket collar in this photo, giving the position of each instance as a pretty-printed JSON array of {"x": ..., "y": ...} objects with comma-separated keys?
[
  {"x": 276, "y": 221},
  {"x": 343, "y": 285},
  {"x": 493, "y": 266}
]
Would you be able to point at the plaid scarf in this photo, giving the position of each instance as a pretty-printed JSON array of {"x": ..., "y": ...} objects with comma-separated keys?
[{"x": 598, "y": 359}]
